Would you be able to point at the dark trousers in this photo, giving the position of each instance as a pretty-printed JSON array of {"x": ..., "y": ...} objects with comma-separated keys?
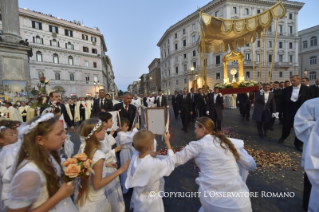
[
  {"x": 273, "y": 120},
  {"x": 245, "y": 110},
  {"x": 24, "y": 118},
  {"x": 218, "y": 123},
  {"x": 286, "y": 132},
  {"x": 264, "y": 123},
  {"x": 185, "y": 118},
  {"x": 192, "y": 117},
  {"x": 175, "y": 111},
  {"x": 280, "y": 116},
  {"x": 201, "y": 111},
  {"x": 306, "y": 192}
]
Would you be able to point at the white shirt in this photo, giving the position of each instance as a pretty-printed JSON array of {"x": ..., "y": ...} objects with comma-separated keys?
[
  {"x": 295, "y": 93},
  {"x": 159, "y": 98},
  {"x": 266, "y": 95},
  {"x": 215, "y": 96},
  {"x": 124, "y": 106},
  {"x": 102, "y": 101}
]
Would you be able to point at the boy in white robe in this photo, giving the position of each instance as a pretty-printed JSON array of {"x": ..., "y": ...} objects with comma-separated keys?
[
  {"x": 145, "y": 172},
  {"x": 12, "y": 113}
]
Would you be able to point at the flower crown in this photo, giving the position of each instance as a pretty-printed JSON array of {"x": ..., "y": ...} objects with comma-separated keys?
[
  {"x": 94, "y": 129},
  {"x": 28, "y": 128}
]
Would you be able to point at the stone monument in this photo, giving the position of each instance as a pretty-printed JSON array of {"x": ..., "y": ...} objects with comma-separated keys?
[{"x": 14, "y": 52}]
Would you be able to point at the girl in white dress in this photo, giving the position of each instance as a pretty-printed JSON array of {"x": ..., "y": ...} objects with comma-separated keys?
[
  {"x": 125, "y": 138},
  {"x": 216, "y": 157},
  {"x": 113, "y": 190},
  {"x": 90, "y": 196},
  {"x": 36, "y": 184}
]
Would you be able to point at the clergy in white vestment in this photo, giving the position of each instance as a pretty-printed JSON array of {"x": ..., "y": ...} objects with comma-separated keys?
[
  {"x": 89, "y": 106},
  {"x": 219, "y": 171},
  {"x": 12, "y": 113},
  {"x": 23, "y": 110},
  {"x": 304, "y": 125},
  {"x": 150, "y": 101},
  {"x": 136, "y": 101},
  {"x": 68, "y": 109},
  {"x": 77, "y": 111},
  {"x": 145, "y": 172}
]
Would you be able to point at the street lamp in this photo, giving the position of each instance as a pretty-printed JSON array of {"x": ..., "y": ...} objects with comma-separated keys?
[{"x": 192, "y": 68}]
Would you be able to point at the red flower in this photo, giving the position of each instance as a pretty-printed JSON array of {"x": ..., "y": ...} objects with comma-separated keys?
[
  {"x": 42, "y": 79},
  {"x": 57, "y": 104}
]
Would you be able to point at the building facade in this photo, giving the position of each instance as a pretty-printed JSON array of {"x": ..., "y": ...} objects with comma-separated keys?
[
  {"x": 67, "y": 53},
  {"x": 144, "y": 84},
  {"x": 154, "y": 76},
  {"x": 136, "y": 87},
  {"x": 309, "y": 53},
  {"x": 179, "y": 55},
  {"x": 111, "y": 86}
]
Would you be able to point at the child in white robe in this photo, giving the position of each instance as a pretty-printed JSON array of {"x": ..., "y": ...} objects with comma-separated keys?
[
  {"x": 125, "y": 138},
  {"x": 145, "y": 172},
  {"x": 90, "y": 195},
  {"x": 31, "y": 187},
  {"x": 113, "y": 190}
]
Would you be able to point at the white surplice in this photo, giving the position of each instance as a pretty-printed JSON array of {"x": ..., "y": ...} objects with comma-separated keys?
[
  {"x": 137, "y": 103},
  {"x": 29, "y": 187},
  {"x": 113, "y": 190},
  {"x": 150, "y": 101},
  {"x": 218, "y": 173},
  {"x": 126, "y": 139},
  {"x": 88, "y": 109},
  {"x": 13, "y": 114},
  {"x": 144, "y": 176}
]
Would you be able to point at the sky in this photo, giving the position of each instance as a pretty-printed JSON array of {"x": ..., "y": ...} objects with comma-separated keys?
[{"x": 132, "y": 28}]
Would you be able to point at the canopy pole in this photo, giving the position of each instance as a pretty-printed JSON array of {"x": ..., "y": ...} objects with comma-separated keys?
[
  {"x": 265, "y": 55},
  {"x": 274, "y": 51},
  {"x": 252, "y": 49},
  {"x": 259, "y": 57}
]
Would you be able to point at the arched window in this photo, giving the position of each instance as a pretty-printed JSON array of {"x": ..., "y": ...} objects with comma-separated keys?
[
  {"x": 70, "y": 59},
  {"x": 71, "y": 77},
  {"x": 313, "y": 41},
  {"x": 313, "y": 60},
  {"x": 69, "y": 45},
  {"x": 54, "y": 43},
  {"x": 38, "y": 40},
  {"x": 57, "y": 76},
  {"x": 55, "y": 58},
  {"x": 41, "y": 74},
  {"x": 312, "y": 75},
  {"x": 39, "y": 56}
]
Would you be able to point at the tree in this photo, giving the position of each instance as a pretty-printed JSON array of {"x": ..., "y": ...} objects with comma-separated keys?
[{"x": 120, "y": 93}]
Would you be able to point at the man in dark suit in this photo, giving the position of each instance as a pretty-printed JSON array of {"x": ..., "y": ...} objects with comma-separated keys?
[
  {"x": 201, "y": 103},
  {"x": 193, "y": 97},
  {"x": 101, "y": 104},
  {"x": 215, "y": 108},
  {"x": 315, "y": 89},
  {"x": 55, "y": 99},
  {"x": 292, "y": 98},
  {"x": 244, "y": 100},
  {"x": 264, "y": 108},
  {"x": 184, "y": 106},
  {"x": 277, "y": 93},
  {"x": 145, "y": 100},
  {"x": 160, "y": 100},
  {"x": 174, "y": 104},
  {"x": 125, "y": 108}
]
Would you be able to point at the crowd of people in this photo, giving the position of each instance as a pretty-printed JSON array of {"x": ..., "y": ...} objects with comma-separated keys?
[{"x": 33, "y": 177}]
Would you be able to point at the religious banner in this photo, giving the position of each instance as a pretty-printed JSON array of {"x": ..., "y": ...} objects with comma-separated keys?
[
  {"x": 3, "y": 98},
  {"x": 12, "y": 89},
  {"x": 156, "y": 120}
]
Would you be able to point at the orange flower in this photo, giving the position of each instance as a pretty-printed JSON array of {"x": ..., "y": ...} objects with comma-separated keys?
[
  {"x": 81, "y": 156},
  {"x": 87, "y": 164},
  {"x": 68, "y": 162},
  {"x": 72, "y": 171}
]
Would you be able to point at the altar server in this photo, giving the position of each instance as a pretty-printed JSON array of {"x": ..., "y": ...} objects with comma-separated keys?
[
  {"x": 89, "y": 106},
  {"x": 304, "y": 125},
  {"x": 136, "y": 101},
  {"x": 216, "y": 157},
  {"x": 12, "y": 113},
  {"x": 145, "y": 172},
  {"x": 23, "y": 110},
  {"x": 151, "y": 101}
]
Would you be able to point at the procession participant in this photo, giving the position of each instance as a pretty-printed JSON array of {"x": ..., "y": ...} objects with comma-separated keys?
[
  {"x": 281, "y": 85},
  {"x": 136, "y": 101},
  {"x": 23, "y": 111},
  {"x": 92, "y": 196},
  {"x": 161, "y": 101},
  {"x": 36, "y": 184},
  {"x": 17, "y": 94},
  {"x": 215, "y": 108},
  {"x": 145, "y": 100},
  {"x": 244, "y": 100},
  {"x": 264, "y": 108},
  {"x": 82, "y": 110},
  {"x": 125, "y": 138},
  {"x": 287, "y": 83},
  {"x": 89, "y": 105},
  {"x": 120, "y": 98},
  {"x": 69, "y": 106},
  {"x": 151, "y": 101},
  {"x": 201, "y": 103},
  {"x": 113, "y": 190},
  {"x": 126, "y": 109},
  {"x": 193, "y": 98},
  {"x": 291, "y": 100},
  {"x": 315, "y": 89},
  {"x": 277, "y": 93},
  {"x": 217, "y": 159},
  {"x": 115, "y": 100},
  {"x": 184, "y": 107},
  {"x": 108, "y": 96},
  {"x": 304, "y": 124},
  {"x": 16, "y": 106},
  {"x": 101, "y": 104},
  {"x": 12, "y": 113},
  {"x": 145, "y": 172},
  {"x": 175, "y": 104}
]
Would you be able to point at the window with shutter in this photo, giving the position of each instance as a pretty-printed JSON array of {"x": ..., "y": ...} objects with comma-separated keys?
[
  {"x": 40, "y": 26},
  {"x": 50, "y": 28},
  {"x": 50, "y": 42},
  {"x": 33, "y": 39},
  {"x": 41, "y": 40},
  {"x": 33, "y": 24}
]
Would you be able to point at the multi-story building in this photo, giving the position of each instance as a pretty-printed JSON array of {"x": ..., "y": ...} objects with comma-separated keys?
[
  {"x": 154, "y": 76},
  {"x": 309, "y": 53},
  {"x": 67, "y": 53},
  {"x": 136, "y": 87},
  {"x": 130, "y": 88},
  {"x": 111, "y": 86},
  {"x": 180, "y": 59},
  {"x": 144, "y": 84}
]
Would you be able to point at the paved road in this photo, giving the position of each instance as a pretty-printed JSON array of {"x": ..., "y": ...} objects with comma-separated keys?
[{"x": 262, "y": 180}]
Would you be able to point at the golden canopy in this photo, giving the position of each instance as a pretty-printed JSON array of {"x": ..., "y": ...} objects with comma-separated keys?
[{"x": 219, "y": 34}]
